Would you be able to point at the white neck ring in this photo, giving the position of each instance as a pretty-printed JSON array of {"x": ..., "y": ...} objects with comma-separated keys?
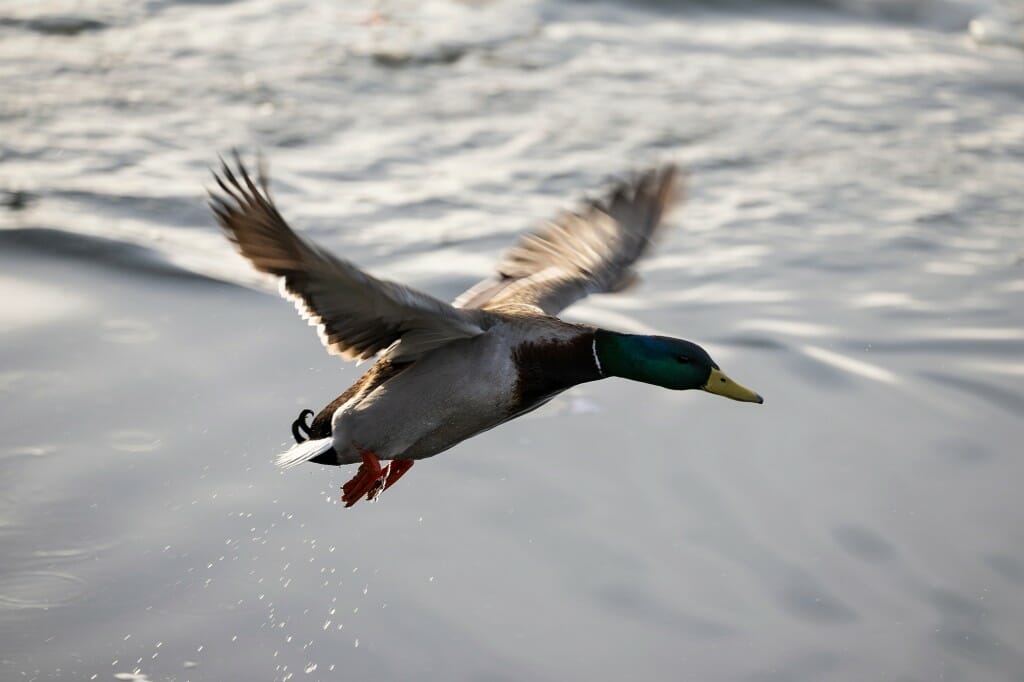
[{"x": 597, "y": 360}]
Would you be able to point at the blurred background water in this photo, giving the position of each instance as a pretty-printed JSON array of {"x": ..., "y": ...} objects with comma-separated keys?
[{"x": 852, "y": 248}]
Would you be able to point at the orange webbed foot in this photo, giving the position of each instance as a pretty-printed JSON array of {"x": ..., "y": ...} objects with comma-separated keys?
[
  {"x": 370, "y": 472},
  {"x": 398, "y": 468},
  {"x": 372, "y": 478}
]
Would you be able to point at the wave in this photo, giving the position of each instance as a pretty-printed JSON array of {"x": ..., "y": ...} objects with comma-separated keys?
[{"x": 944, "y": 14}]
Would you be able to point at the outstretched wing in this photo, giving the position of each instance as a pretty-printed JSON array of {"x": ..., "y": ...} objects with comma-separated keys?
[
  {"x": 356, "y": 315},
  {"x": 592, "y": 251}
]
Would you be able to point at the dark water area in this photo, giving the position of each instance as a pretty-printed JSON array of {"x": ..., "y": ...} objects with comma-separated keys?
[{"x": 852, "y": 247}]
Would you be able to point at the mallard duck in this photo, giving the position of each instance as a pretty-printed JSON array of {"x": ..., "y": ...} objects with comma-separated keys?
[{"x": 445, "y": 372}]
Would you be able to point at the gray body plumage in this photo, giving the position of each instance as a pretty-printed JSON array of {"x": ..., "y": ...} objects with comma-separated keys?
[{"x": 448, "y": 395}]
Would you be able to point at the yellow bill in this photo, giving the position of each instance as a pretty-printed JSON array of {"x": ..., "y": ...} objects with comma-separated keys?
[{"x": 720, "y": 384}]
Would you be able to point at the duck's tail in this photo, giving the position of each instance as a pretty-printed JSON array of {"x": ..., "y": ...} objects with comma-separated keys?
[
  {"x": 303, "y": 452},
  {"x": 301, "y": 427}
]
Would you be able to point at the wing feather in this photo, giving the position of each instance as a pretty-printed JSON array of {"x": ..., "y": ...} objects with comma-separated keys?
[
  {"x": 356, "y": 315},
  {"x": 580, "y": 253}
]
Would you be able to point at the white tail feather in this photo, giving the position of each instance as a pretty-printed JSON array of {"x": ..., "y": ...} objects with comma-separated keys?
[{"x": 303, "y": 452}]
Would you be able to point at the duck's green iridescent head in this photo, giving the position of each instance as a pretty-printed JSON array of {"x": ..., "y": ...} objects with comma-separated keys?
[{"x": 664, "y": 361}]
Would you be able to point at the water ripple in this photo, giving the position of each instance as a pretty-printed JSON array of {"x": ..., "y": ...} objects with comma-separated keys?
[
  {"x": 134, "y": 441},
  {"x": 39, "y": 590}
]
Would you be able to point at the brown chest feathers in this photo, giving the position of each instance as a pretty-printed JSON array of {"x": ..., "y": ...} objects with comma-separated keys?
[{"x": 546, "y": 368}]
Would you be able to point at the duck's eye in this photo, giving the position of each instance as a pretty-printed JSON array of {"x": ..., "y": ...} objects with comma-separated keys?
[{"x": 682, "y": 360}]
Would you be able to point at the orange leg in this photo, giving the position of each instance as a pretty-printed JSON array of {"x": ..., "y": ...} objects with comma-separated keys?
[
  {"x": 370, "y": 472},
  {"x": 398, "y": 469},
  {"x": 372, "y": 479}
]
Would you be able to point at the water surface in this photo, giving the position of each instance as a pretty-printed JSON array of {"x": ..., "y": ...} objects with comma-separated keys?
[{"x": 851, "y": 248}]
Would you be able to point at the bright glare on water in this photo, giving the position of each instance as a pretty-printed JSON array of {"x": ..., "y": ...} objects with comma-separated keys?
[{"x": 852, "y": 247}]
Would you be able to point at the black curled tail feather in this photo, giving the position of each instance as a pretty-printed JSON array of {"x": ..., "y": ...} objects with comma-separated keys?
[{"x": 301, "y": 428}]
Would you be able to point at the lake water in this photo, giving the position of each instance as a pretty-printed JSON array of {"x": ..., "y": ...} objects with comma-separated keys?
[{"x": 852, "y": 248}]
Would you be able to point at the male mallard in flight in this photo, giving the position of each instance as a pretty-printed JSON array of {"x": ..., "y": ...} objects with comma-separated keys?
[{"x": 446, "y": 372}]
